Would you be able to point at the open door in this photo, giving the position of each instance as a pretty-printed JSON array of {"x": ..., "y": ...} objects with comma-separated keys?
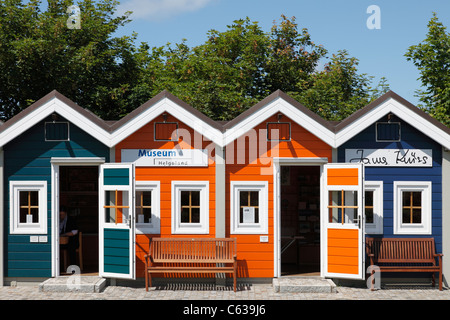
[
  {"x": 116, "y": 221},
  {"x": 342, "y": 221}
]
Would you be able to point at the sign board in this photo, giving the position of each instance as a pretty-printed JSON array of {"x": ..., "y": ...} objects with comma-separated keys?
[
  {"x": 166, "y": 157},
  {"x": 248, "y": 215},
  {"x": 390, "y": 157}
]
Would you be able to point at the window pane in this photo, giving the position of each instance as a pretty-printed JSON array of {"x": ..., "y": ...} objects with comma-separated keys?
[
  {"x": 116, "y": 210},
  {"x": 342, "y": 206},
  {"x": 406, "y": 215},
  {"x": 254, "y": 198},
  {"x": 369, "y": 215},
  {"x": 195, "y": 215},
  {"x": 243, "y": 198},
  {"x": 369, "y": 198},
  {"x": 195, "y": 198},
  {"x": 147, "y": 215},
  {"x": 417, "y": 216},
  {"x": 29, "y": 206},
  {"x": 417, "y": 199},
  {"x": 185, "y": 215},
  {"x": 184, "y": 198}
]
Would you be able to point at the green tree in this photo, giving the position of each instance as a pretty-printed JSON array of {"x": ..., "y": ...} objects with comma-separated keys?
[
  {"x": 39, "y": 53},
  {"x": 432, "y": 58},
  {"x": 339, "y": 90}
]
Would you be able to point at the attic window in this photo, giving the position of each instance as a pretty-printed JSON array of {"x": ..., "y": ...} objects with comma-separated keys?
[
  {"x": 388, "y": 131},
  {"x": 56, "y": 131},
  {"x": 166, "y": 131},
  {"x": 278, "y": 131}
]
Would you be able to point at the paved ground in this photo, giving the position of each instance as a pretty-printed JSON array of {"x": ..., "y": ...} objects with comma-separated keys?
[{"x": 248, "y": 292}]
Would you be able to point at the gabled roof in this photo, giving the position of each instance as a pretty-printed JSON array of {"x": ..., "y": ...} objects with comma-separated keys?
[
  {"x": 278, "y": 102},
  {"x": 54, "y": 102},
  {"x": 391, "y": 103},
  {"x": 222, "y": 133},
  {"x": 166, "y": 102}
]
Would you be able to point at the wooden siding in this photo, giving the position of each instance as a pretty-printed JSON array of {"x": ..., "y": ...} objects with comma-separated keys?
[
  {"x": 255, "y": 258},
  {"x": 144, "y": 139},
  {"x": 342, "y": 251},
  {"x": 28, "y": 158},
  {"x": 116, "y": 251},
  {"x": 413, "y": 139}
]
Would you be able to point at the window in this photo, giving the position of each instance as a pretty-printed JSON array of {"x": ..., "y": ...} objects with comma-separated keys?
[
  {"x": 56, "y": 131},
  {"x": 147, "y": 207},
  {"x": 412, "y": 207},
  {"x": 387, "y": 131},
  {"x": 28, "y": 207},
  {"x": 190, "y": 207},
  {"x": 117, "y": 208},
  {"x": 373, "y": 207},
  {"x": 278, "y": 131},
  {"x": 166, "y": 131},
  {"x": 249, "y": 203},
  {"x": 343, "y": 206}
]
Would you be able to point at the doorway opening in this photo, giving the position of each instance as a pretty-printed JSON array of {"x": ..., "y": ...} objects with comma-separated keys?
[
  {"x": 78, "y": 190},
  {"x": 300, "y": 220}
]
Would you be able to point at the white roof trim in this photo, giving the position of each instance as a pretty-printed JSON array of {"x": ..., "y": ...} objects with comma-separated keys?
[
  {"x": 406, "y": 114},
  {"x": 48, "y": 108},
  {"x": 166, "y": 105},
  {"x": 279, "y": 105}
]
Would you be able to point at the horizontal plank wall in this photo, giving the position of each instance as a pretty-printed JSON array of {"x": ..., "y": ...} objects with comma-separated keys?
[
  {"x": 144, "y": 139},
  {"x": 28, "y": 158},
  {"x": 243, "y": 163},
  {"x": 411, "y": 138}
]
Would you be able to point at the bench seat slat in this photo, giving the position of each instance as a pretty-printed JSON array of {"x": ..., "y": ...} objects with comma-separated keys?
[
  {"x": 404, "y": 255},
  {"x": 202, "y": 256}
]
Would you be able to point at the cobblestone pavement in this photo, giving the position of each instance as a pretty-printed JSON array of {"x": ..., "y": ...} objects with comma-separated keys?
[{"x": 249, "y": 292}]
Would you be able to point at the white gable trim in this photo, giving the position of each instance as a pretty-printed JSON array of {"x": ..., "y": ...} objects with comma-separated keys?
[
  {"x": 166, "y": 105},
  {"x": 48, "y": 108},
  {"x": 275, "y": 106},
  {"x": 406, "y": 114}
]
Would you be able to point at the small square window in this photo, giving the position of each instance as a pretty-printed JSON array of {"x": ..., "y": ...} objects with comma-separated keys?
[
  {"x": 278, "y": 131},
  {"x": 147, "y": 207},
  {"x": 412, "y": 207},
  {"x": 166, "y": 131},
  {"x": 388, "y": 131},
  {"x": 249, "y": 207},
  {"x": 56, "y": 131},
  {"x": 373, "y": 207},
  {"x": 190, "y": 207},
  {"x": 28, "y": 207}
]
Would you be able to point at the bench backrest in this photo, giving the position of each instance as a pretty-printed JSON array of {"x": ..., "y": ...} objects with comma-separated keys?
[
  {"x": 188, "y": 250},
  {"x": 402, "y": 250}
]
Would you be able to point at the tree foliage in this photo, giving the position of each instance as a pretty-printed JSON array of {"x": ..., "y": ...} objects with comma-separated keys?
[
  {"x": 432, "y": 58},
  {"x": 228, "y": 73}
]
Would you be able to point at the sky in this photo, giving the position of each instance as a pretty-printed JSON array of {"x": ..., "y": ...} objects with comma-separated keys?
[{"x": 378, "y": 39}]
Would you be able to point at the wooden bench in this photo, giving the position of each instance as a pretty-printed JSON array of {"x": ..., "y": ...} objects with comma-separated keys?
[
  {"x": 186, "y": 255},
  {"x": 404, "y": 255}
]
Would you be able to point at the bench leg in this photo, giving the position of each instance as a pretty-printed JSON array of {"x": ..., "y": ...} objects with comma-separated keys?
[{"x": 440, "y": 281}]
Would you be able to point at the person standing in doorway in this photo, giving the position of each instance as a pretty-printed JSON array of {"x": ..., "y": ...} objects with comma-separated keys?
[{"x": 68, "y": 228}]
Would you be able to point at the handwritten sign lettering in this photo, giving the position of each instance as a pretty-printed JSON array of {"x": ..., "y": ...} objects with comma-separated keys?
[{"x": 390, "y": 157}]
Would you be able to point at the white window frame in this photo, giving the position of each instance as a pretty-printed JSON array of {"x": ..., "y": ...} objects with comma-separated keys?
[
  {"x": 377, "y": 226},
  {"x": 262, "y": 227},
  {"x": 154, "y": 227},
  {"x": 415, "y": 229},
  {"x": 190, "y": 228},
  {"x": 15, "y": 227}
]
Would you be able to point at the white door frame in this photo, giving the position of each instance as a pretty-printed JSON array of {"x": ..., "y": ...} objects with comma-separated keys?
[
  {"x": 277, "y": 163},
  {"x": 56, "y": 162}
]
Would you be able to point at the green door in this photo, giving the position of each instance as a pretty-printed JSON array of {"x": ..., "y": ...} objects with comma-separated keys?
[{"x": 116, "y": 221}]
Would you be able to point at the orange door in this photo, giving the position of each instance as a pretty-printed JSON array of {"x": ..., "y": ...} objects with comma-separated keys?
[{"x": 342, "y": 221}]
